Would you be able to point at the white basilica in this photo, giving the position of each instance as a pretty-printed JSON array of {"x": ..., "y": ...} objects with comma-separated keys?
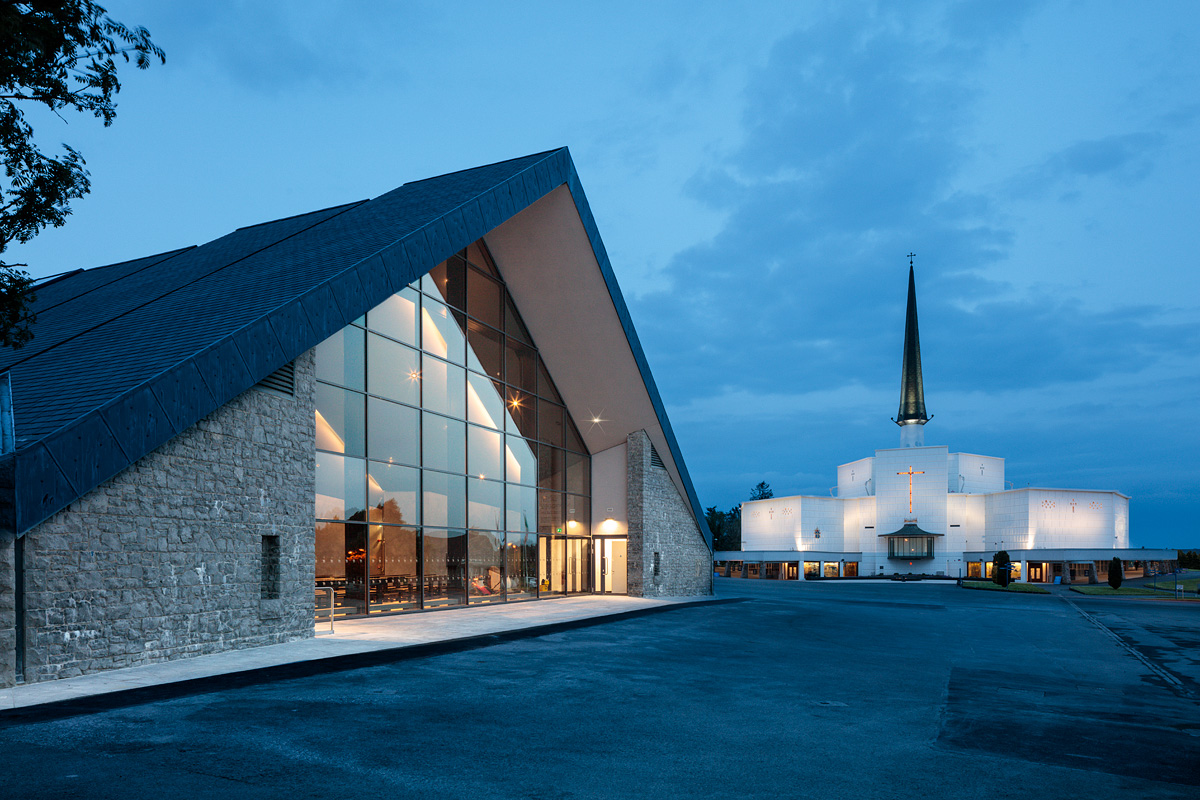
[{"x": 924, "y": 510}]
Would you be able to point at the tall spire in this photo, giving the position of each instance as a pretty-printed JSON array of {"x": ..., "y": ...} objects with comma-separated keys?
[{"x": 912, "y": 391}]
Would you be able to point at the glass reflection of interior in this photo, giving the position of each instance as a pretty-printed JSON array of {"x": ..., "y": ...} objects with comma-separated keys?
[
  {"x": 394, "y": 568},
  {"x": 443, "y": 449},
  {"x": 578, "y": 564},
  {"x": 552, "y": 564},
  {"x": 485, "y": 577},
  {"x": 341, "y": 565},
  {"x": 444, "y": 564}
]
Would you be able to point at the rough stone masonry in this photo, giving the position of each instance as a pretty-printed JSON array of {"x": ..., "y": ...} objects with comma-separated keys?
[
  {"x": 668, "y": 556},
  {"x": 165, "y": 560}
]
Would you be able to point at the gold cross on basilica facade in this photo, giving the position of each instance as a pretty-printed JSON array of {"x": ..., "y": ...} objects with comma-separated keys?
[{"x": 910, "y": 474}]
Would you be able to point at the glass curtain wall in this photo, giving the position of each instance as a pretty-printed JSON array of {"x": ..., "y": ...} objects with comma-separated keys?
[{"x": 443, "y": 449}]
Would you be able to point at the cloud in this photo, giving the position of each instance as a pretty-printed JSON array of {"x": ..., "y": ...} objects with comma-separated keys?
[
  {"x": 1125, "y": 158},
  {"x": 273, "y": 49},
  {"x": 777, "y": 340}
]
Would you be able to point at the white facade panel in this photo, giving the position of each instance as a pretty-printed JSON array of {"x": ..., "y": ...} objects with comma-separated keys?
[
  {"x": 975, "y": 474},
  {"x": 821, "y": 525},
  {"x": 610, "y": 492},
  {"x": 856, "y": 478},
  {"x": 771, "y": 524},
  {"x": 973, "y": 513}
]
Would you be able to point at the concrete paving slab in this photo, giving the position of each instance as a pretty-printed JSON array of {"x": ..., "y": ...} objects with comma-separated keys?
[
  {"x": 386, "y": 636},
  {"x": 806, "y": 690}
]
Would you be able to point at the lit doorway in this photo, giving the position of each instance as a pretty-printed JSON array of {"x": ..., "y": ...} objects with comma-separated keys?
[
  {"x": 552, "y": 559},
  {"x": 611, "y": 572},
  {"x": 578, "y": 566},
  {"x": 564, "y": 565}
]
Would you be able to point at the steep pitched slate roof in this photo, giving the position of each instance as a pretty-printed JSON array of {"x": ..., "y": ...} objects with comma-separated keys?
[{"x": 129, "y": 355}]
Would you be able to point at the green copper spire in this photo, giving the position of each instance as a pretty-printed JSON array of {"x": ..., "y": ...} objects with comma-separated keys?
[{"x": 912, "y": 391}]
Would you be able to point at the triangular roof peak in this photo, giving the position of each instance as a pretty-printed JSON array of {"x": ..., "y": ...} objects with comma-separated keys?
[{"x": 127, "y": 356}]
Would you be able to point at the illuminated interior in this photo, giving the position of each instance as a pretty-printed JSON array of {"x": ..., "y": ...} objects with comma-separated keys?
[{"x": 449, "y": 470}]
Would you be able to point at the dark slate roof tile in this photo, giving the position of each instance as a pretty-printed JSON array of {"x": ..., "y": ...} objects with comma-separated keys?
[
  {"x": 71, "y": 286},
  {"x": 95, "y": 309}
]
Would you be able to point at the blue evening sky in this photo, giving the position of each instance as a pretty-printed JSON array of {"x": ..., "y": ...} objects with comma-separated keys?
[{"x": 758, "y": 172}]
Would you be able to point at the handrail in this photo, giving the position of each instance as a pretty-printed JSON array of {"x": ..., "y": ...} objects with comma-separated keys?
[{"x": 331, "y": 602}]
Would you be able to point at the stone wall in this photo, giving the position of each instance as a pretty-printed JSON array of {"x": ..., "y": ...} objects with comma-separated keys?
[
  {"x": 660, "y": 522},
  {"x": 164, "y": 560},
  {"x": 8, "y": 618}
]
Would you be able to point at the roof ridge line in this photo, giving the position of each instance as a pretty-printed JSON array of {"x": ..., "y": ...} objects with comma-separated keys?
[
  {"x": 156, "y": 298},
  {"x": 166, "y": 256},
  {"x": 484, "y": 166},
  {"x": 303, "y": 214},
  {"x": 49, "y": 280}
]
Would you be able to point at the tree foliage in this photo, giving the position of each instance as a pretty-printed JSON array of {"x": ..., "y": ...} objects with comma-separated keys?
[
  {"x": 1001, "y": 563},
  {"x": 762, "y": 491},
  {"x": 1189, "y": 559},
  {"x": 726, "y": 527},
  {"x": 63, "y": 56},
  {"x": 1116, "y": 573}
]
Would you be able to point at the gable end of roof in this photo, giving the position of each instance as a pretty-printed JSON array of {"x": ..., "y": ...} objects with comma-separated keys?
[{"x": 55, "y": 470}]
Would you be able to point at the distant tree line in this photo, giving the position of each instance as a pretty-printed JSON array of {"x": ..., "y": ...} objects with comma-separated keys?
[
  {"x": 726, "y": 526},
  {"x": 1189, "y": 559}
]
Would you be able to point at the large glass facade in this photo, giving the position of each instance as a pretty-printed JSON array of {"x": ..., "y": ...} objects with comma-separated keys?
[{"x": 449, "y": 471}]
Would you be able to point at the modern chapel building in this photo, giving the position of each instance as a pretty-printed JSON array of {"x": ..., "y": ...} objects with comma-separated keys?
[
  {"x": 920, "y": 509},
  {"x": 431, "y": 399}
]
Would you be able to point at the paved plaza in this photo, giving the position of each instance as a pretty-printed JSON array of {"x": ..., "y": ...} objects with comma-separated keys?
[{"x": 820, "y": 689}]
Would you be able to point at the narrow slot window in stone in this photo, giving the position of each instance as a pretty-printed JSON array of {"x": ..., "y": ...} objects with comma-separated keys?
[
  {"x": 269, "y": 582},
  {"x": 657, "y": 563}
]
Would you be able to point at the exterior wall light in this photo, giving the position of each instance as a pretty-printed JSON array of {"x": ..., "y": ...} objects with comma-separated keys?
[{"x": 609, "y": 525}]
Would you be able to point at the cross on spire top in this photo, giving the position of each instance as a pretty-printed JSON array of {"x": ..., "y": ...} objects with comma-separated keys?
[{"x": 911, "y": 256}]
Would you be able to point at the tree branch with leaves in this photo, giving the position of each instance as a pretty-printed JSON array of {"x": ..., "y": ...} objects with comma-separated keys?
[{"x": 63, "y": 56}]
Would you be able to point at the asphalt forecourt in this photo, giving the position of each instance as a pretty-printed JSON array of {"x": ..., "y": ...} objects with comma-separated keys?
[{"x": 826, "y": 690}]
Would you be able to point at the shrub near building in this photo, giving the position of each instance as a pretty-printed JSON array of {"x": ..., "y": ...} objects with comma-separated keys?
[
  {"x": 1116, "y": 573},
  {"x": 1001, "y": 565}
]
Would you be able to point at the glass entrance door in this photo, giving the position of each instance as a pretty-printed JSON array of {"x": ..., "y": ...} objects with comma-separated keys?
[
  {"x": 578, "y": 571},
  {"x": 610, "y": 566},
  {"x": 564, "y": 564},
  {"x": 552, "y": 557}
]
